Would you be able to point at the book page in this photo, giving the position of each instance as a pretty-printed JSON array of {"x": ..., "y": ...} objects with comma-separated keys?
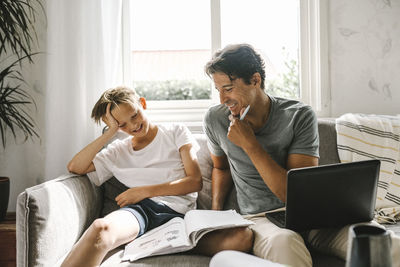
[
  {"x": 167, "y": 238},
  {"x": 276, "y": 210},
  {"x": 200, "y": 222}
]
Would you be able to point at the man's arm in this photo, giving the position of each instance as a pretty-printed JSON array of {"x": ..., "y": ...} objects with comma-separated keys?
[
  {"x": 221, "y": 181},
  {"x": 274, "y": 176},
  {"x": 238, "y": 238}
]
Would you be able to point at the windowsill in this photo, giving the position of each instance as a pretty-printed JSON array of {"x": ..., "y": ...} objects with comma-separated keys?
[
  {"x": 192, "y": 118},
  {"x": 190, "y": 113},
  {"x": 178, "y": 104}
]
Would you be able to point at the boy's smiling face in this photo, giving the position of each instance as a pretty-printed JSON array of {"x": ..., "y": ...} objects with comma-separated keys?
[{"x": 131, "y": 118}]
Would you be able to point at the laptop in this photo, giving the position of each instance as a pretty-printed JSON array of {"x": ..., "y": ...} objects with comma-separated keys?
[{"x": 329, "y": 196}]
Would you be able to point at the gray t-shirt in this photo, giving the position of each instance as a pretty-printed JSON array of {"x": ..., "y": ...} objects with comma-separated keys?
[{"x": 291, "y": 128}]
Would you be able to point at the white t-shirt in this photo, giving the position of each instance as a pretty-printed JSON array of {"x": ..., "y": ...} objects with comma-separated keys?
[{"x": 158, "y": 162}]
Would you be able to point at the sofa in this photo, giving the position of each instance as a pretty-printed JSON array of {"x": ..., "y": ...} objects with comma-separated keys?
[{"x": 53, "y": 215}]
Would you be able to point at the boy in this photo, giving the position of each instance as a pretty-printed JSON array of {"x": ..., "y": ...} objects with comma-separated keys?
[{"x": 158, "y": 163}]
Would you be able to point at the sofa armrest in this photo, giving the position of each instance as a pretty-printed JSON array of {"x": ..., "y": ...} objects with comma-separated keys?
[{"x": 52, "y": 216}]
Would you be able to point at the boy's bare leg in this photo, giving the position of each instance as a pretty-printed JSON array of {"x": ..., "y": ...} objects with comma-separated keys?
[
  {"x": 103, "y": 235},
  {"x": 239, "y": 239}
]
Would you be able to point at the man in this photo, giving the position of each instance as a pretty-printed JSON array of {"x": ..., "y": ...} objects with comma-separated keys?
[
  {"x": 254, "y": 151},
  {"x": 254, "y": 148}
]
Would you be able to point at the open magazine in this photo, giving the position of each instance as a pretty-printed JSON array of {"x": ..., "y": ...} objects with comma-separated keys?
[{"x": 181, "y": 234}]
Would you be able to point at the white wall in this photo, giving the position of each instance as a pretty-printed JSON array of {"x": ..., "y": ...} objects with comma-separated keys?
[{"x": 364, "y": 56}]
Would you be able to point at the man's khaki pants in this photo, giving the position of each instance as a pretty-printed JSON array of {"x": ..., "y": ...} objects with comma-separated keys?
[{"x": 287, "y": 247}]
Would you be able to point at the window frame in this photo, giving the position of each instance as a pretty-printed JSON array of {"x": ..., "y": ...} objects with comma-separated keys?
[{"x": 313, "y": 65}]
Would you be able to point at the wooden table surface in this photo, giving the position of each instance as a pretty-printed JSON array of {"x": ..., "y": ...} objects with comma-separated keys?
[{"x": 8, "y": 251}]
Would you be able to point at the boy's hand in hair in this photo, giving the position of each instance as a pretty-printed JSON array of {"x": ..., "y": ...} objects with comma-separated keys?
[{"x": 109, "y": 120}]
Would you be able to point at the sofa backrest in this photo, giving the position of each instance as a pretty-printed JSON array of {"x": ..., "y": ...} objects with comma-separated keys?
[{"x": 328, "y": 153}]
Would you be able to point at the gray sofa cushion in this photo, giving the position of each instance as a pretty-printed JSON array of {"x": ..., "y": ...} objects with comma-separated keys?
[
  {"x": 111, "y": 189},
  {"x": 43, "y": 236},
  {"x": 328, "y": 144}
]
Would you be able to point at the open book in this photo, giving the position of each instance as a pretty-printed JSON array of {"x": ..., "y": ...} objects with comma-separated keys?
[{"x": 181, "y": 234}]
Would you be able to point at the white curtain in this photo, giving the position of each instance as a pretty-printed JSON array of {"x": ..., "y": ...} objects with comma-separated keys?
[{"x": 84, "y": 59}]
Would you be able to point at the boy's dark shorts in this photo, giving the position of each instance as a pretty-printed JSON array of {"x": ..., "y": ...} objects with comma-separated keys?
[{"x": 151, "y": 214}]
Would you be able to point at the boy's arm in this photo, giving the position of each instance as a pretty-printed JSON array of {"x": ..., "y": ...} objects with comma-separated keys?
[
  {"x": 221, "y": 181},
  {"x": 192, "y": 182},
  {"x": 82, "y": 163}
]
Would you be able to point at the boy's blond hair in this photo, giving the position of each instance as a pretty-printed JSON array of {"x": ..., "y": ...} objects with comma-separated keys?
[{"x": 115, "y": 96}]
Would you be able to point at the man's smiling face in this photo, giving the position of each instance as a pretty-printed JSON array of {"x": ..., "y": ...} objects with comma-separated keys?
[{"x": 235, "y": 94}]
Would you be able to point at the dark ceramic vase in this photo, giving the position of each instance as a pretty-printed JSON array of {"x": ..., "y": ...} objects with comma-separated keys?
[
  {"x": 369, "y": 246},
  {"x": 4, "y": 196}
]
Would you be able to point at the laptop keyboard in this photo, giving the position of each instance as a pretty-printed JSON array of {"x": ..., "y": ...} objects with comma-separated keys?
[{"x": 278, "y": 216}]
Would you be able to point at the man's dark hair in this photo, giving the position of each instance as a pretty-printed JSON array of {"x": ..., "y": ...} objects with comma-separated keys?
[{"x": 237, "y": 61}]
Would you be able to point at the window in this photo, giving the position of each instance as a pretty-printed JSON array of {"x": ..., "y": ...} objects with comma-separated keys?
[
  {"x": 168, "y": 42},
  {"x": 169, "y": 47},
  {"x": 272, "y": 27}
]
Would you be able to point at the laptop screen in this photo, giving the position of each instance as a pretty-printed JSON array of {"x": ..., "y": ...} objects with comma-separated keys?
[{"x": 331, "y": 195}]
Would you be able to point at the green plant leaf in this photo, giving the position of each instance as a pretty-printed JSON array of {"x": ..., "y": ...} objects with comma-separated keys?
[
  {"x": 13, "y": 102},
  {"x": 17, "y": 32}
]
